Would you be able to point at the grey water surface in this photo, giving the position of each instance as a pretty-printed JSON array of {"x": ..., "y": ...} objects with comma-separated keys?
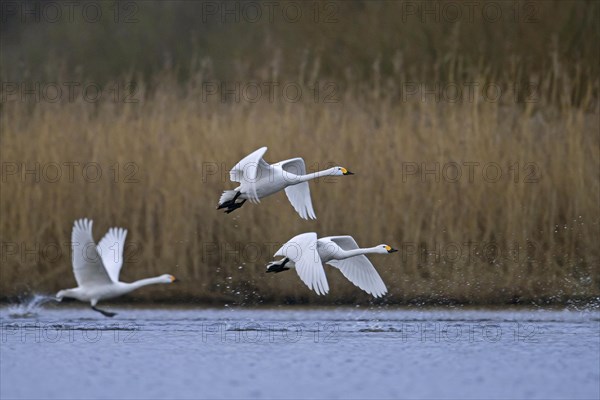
[{"x": 293, "y": 352}]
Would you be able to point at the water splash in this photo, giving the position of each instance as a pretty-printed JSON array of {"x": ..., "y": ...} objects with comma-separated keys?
[{"x": 28, "y": 307}]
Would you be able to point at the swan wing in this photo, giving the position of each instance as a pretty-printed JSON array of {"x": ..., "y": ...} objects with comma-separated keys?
[
  {"x": 302, "y": 250},
  {"x": 249, "y": 170},
  {"x": 358, "y": 269},
  {"x": 360, "y": 272},
  {"x": 345, "y": 242},
  {"x": 111, "y": 251},
  {"x": 87, "y": 263},
  {"x": 298, "y": 194}
]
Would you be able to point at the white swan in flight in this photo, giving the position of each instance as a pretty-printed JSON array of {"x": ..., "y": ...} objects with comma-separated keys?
[
  {"x": 258, "y": 179},
  {"x": 96, "y": 268},
  {"x": 307, "y": 254}
]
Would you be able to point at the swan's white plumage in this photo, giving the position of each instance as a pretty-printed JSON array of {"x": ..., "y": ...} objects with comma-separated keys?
[
  {"x": 111, "y": 251},
  {"x": 249, "y": 170},
  {"x": 298, "y": 194},
  {"x": 87, "y": 263},
  {"x": 302, "y": 250},
  {"x": 307, "y": 255},
  {"x": 357, "y": 269},
  {"x": 96, "y": 268},
  {"x": 258, "y": 179}
]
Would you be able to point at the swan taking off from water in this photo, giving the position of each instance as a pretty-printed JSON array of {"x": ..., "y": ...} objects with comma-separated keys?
[
  {"x": 96, "y": 268},
  {"x": 307, "y": 254},
  {"x": 258, "y": 179}
]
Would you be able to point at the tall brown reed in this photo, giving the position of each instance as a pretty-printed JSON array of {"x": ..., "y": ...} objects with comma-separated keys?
[{"x": 529, "y": 234}]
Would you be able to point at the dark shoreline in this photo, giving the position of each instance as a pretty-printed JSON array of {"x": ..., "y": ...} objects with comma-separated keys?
[{"x": 590, "y": 302}]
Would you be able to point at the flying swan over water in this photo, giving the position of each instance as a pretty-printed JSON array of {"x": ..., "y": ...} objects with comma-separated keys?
[
  {"x": 258, "y": 179},
  {"x": 307, "y": 254},
  {"x": 96, "y": 268}
]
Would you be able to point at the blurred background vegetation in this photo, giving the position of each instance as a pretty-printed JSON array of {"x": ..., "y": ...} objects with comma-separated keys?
[
  {"x": 239, "y": 39},
  {"x": 173, "y": 136}
]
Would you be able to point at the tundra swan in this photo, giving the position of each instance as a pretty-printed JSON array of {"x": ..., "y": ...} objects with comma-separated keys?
[
  {"x": 258, "y": 179},
  {"x": 96, "y": 268},
  {"x": 307, "y": 254}
]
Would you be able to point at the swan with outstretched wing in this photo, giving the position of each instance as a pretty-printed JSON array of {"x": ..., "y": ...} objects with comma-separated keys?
[
  {"x": 307, "y": 254},
  {"x": 259, "y": 179},
  {"x": 97, "y": 268}
]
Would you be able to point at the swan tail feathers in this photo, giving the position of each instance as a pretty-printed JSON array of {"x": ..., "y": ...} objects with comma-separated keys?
[{"x": 227, "y": 195}]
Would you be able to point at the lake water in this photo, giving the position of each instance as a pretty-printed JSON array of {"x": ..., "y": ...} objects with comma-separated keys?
[{"x": 293, "y": 352}]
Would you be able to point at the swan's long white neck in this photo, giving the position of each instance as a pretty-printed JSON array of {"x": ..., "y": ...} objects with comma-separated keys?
[
  {"x": 314, "y": 175},
  {"x": 144, "y": 282},
  {"x": 357, "y": 252}
]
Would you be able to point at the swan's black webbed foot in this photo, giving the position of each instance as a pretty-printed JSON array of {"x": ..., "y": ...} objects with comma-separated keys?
[
  {"x": 235, "y": 206},
  {"x": 105, "y": 313},
  {"x": 278, "y": 266},
  {"x": 229, "y": 203}
]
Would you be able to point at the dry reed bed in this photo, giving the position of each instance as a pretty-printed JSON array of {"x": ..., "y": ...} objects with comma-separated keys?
[{"x": 467, "y": 240}]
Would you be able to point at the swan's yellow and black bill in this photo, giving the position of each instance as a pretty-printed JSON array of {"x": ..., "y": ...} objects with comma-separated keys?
[
  {"x": 390, "y": 250},
  {"x": 173, "y": 279},
  {"x": 346, "y": 172}
]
